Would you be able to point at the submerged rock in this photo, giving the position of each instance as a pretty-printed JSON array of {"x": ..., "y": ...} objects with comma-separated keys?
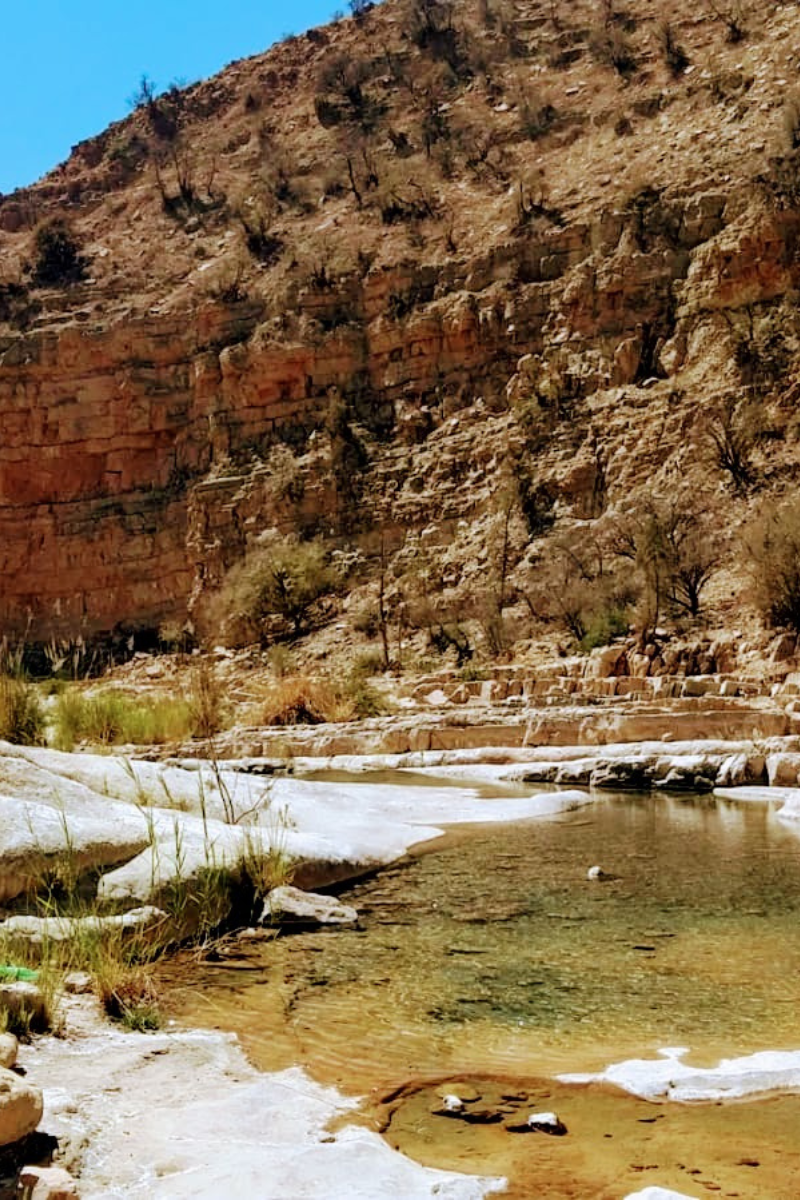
[{"x": 543, "y": 1122}]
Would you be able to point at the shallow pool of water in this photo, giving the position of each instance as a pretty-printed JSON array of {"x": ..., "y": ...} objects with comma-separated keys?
[{"x": 494, "y": 955}]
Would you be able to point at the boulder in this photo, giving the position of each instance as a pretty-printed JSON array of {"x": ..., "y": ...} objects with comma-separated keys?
[
  {"x": 77, "y": 983},
  {"x": 37, "y": 838},
  {"x": 47, "y": 1183},
  {"x": 289, "y": 905},
  {"x": 9, "y": 1047},
  {"x": 20, "y": 1107},
  {"x": 607, "y": 661},
  {"x": 543, "y": 1122}
]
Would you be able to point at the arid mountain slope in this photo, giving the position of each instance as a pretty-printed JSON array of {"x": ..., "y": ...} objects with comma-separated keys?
[{"x": 361, "y": 285}]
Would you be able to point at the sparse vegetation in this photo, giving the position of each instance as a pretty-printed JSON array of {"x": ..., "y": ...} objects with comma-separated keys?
[
  {"x": 673, "y": 52},
  {"x": 22, "y": 718},
  {"x": 611, "y": 46},
  {"x": 673, "y": 553},
  {"x": 733, "y": 17}
]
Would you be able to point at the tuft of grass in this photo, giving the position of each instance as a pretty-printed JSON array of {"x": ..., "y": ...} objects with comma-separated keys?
[
  {"x": 206, "y": 702},
  {"x": 125, "y": 988},
  {"x": 267, "y": 865},
  {"x": 41, "y": 1015}
]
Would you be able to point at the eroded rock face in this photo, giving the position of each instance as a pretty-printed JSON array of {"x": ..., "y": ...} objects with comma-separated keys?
[
  {"x": 110, "y": 433},
  {"x": 127, "y": 485}
]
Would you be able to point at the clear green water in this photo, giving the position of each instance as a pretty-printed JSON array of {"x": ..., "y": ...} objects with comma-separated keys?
[
  {"x": 496, "y": 948},
  {"x": 492, "y": 956}
]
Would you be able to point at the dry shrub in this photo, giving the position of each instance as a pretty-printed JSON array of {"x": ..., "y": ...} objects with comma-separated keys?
[
  {"x": 772, "y": 550},
  {"x": 298, "y": 700},
  {"x": 303, "y": 701},
  {"x": 207, "y": 707}
]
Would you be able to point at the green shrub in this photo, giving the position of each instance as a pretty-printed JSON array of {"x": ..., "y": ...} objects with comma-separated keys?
[
  {"x": 603, "y": 627},
  {"x": 283, "y": 580},
  {"x": 58, "y": 261}
]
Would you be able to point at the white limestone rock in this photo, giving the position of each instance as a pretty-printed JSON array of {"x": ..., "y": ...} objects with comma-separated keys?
[
  {"x": 199, "y": 1116},
  {"x": 767, "y": 1073},
  {"x": 35, "y": 837},
  {"x": 37, "y": 930},
  {"x": 290, "y": 905},
  {"x": 658, "y": 1193},
  {"x": 47, "y": 1183}
]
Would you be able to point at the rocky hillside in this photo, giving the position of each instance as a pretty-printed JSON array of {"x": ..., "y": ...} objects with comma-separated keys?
[{"x": 480, "y": 295}]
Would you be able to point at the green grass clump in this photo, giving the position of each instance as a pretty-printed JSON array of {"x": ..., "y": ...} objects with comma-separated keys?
[
  {"x": 21, "y": 713},
  {"x": 112, "y": 718}
]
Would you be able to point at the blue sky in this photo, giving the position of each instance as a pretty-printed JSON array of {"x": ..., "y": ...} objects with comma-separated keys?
[{"x": 69, "y": 66}]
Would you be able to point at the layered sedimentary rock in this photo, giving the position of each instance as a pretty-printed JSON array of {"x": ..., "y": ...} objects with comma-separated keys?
[{"x": 113, "y": 436}]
